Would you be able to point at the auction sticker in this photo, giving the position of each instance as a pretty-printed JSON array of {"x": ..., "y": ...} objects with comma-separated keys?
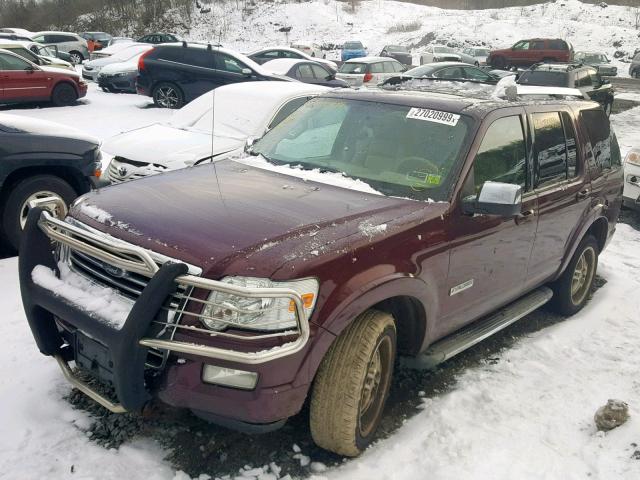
[{"x": 436, "y": 116}]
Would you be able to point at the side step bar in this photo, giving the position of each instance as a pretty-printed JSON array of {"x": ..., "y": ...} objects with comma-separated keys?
[{"x": 478, "y": 331}]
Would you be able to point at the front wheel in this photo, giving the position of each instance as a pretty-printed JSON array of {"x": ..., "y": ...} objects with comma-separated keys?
[
  {"x": 64, "y": 95},
  {"x": 352, "y": 385},
  {"x": 17, "y": 207},
  {"x": 168, "y": 95},
  {"x": 571, "y": 291}
]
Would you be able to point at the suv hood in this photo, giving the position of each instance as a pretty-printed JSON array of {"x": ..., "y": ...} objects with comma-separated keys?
[
  {"x": 20, "y": 124},
  {"x": 232, "y": 219},
  {"x": 168, "y": 146}
]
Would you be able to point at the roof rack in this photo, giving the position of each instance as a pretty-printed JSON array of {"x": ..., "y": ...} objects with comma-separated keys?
[
  {"x": 400, "y": 79},
  {"x": 570, "y": 65},
  {"x": 515, "y": 92}
]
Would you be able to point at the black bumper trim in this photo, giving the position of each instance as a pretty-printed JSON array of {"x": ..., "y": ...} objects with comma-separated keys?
[{"x": 42, "y": 306}]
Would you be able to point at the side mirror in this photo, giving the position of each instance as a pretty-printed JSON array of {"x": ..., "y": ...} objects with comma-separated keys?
[
  {"x": 248, "y": 144},
  {"x": 495, "y": 198},
  {"x": 30, "y": 69},
  {"x": 247, "y": 72}
]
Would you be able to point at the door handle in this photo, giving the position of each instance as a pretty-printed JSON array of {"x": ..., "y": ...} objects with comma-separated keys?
[{"x": 582, "y": 194}]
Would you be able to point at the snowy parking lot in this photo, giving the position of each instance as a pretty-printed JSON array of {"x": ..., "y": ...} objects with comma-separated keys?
[{"x": 519, "y": 406}]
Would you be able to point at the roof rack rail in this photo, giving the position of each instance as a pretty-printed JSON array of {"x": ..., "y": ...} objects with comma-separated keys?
[
  {"x": 399, "y": 79},
  {"x": 514, "y": 93}
]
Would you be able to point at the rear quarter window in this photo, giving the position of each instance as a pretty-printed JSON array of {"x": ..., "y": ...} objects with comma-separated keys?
[
  {"x": 170, "y": 54},
  {"x": 558, "y": 45},
  {"x": 606, "y": 152}
]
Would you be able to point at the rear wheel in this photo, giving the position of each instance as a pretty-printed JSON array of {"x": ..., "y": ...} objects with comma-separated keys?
[
  {"x": 571, "y": 291},
  {"x": 17, "y": 207},
  {"x": 352, "y": 385},
  {"x": 168, "y": 95},
  {"x": 76, "y": 57},
  {"x": 63, "y": 95}
]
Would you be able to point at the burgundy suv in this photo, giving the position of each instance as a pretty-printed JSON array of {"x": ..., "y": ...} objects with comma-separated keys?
[
  {"x": 528, "y": 52},
  {"x": 366, "y": 224}
]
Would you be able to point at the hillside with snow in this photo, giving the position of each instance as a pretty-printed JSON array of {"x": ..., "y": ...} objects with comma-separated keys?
[{"x": 380, "y": 22}]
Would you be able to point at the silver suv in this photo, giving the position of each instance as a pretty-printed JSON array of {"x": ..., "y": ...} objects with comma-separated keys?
[
  {"x": 73, "y": 44},
  {"x": 634, "y": 68}
]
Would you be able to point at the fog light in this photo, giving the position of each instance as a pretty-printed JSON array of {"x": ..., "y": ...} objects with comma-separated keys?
[{"x": 229, "y": 377}]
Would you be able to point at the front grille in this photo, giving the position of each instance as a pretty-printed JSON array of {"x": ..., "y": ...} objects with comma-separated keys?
[{"x": 130, "y": 285}]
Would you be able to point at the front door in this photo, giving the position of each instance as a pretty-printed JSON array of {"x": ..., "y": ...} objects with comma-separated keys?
[
  {"x": 20, "y": 81},
  {"x": 490, "y": 254},
  {"x": 562, "y": 187}
]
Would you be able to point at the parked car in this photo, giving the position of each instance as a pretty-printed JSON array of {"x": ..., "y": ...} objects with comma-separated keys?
[
  {"x": 474, "y": 55},
  {"x": 352, "y": 49},
  {"x": 631, "y": 194},
  {"x": 14, "y": 36},
  {"x": 73, "y": 44},
  {"x": 369, "y": 71},
  {"x": 112, "y": 49},
  {"x": 101, "y": 39},
  {"x": 446, "y": 71},
  {"x": 529, "y": 52},
  {"x": 439, "y": 53},
  {"x": 157, "y": 38},
  {"x": 308, "y": 48},
  {"x": 267, "y": 54},
  {"x": 17, "y": 31},
  {"x": 598, "y": 60},
  {"x": 306, "y": 71},
  {"x": 26, "y": 50},
  {"x": 91, "y": 69},
  {"x": 175, "y": 74},
  {"x": 289, "y": 284},
  {"x": 119, "y": 77},
  {"x": 399, "y": 52},
  {"x": 584, "y": 78},
  {"x": 41, "y": 159},
  {"x": 634, "y": 68},
  {"x": 24, "y": 81},
  {"x": 234, "y": 113}
]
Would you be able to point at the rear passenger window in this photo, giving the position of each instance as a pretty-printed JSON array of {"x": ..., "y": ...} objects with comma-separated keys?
[
  {"x": 230, "y": 64},
  {"x": 537, "y": 45},
  {"x": 606, "y": 152},
  {"x": 171, "y": 54},
  {"x": 305, "y": 73},
  {"x": 558, "y": 45},
  {"x": 198, "y": 58},
  {"x": 502, "y": 154},
  {"x": 572, "y": 148},
  {"x": 377, "y": 67},
  {"x": 388, "y": 67},
  {"x": 550, "y": 149}
]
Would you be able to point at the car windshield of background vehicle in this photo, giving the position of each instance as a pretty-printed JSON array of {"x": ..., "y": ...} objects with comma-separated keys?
[
  {"x": 546, "y": 79},
  {"x": 398, "y": 150},
  {"x": 397, "y": 48},
  {"x": 594, "y": 59},
  {"x": 443, "y": 50},
  {"x": 353, "y": 68},
  {"x": 353, "y": 46}
]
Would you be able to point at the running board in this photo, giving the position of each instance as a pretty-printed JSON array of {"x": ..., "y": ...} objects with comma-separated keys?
[{"x": 478, "y": 331}]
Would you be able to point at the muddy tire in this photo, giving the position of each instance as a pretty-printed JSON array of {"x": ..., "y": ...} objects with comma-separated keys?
[
  {"x": 352, "y": 385},
  {"x": 64, "y": 95},
  {"x": 16, "y": 206},
  {"x": 573, "y": 289}
]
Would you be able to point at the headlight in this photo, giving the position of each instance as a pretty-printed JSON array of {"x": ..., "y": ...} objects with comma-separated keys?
[
  {"x": 633, "y": 157},
  {"x": 226, "y": 310}
]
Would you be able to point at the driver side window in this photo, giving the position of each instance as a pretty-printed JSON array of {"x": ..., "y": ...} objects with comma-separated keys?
[
  {"x": 521, "y": 46},
  {"x": 9, "y": 62},
  {"x": 502, "y": 154}
]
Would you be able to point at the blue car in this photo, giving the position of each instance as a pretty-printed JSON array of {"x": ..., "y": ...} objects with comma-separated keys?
[{"x": 353, "y": 50}]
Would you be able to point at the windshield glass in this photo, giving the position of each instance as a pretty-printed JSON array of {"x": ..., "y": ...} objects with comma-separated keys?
[
  {"x": 349, "y": 67},
  {"x": 593, "y": 58},
  {"x": 420, "y": 71},
  {"x": 396, "y": 48},
  {"x": 397, "y": 150},
  {"x": 443, "y": 49},
  {"x": 353, "y": 46},
  {"x": 481, "y": 52},
  {"x": 545, "y": 79}
]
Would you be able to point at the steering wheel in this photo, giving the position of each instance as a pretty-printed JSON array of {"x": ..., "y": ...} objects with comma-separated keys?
[{"x": 417, "y": 164}]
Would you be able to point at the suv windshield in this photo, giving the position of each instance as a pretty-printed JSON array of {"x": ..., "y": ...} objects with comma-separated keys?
[
  {"x": 398, "y": 150},
  {"x": 396, "y": 48},
  {"x": 593, "y": 58},
  {"x": 545, "y": 79},
  {"x": 349, "y": 67},
  {"x": 353, "y": 46}
]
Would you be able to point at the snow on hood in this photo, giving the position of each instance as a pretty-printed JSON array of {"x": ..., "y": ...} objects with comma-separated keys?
[
  {"x": 43, "y": 127},
  {"x": 59, "y": 69},
  {"x": 121, "y": 67}
]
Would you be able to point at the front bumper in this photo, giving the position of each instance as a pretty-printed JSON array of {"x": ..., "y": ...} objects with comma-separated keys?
[
  {"x": 126, "y": 83},
  {"x": 61, "y": 328},
  {"x": 631, "y": 193}
]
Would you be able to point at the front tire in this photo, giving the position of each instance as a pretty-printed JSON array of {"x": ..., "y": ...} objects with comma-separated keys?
[
  {"x": 352, "y": 385},
  {"x": 572, "y": 290},
  {"x": 64, "y": 95},
  {"x": 16, "y": 208},
  {"x": 168, "y": 95}
]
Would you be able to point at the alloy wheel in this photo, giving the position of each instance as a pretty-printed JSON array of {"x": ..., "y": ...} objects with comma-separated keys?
[
  {"x": 583, "y": 276},
  {"x": 76, "y": 59},
  {"x": 24, "y": 210},
  {"x": 167, "y": 97}
]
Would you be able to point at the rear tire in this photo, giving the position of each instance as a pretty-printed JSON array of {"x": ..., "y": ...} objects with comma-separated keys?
[
  {"x": 64, "y": 95},
  {"x": 352, "y": 385},
  {"x": 76, "y": 57},
  {"x": 168, "y": 95},
  {"x": 16, "y": 207},
  {"x": 572, "y": 290}
]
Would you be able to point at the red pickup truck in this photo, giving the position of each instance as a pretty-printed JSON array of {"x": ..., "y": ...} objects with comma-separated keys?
[
  {"x": 528, "y": 52},
  {"x": 366, "y": 224},
  {"x": 22, "y": 81}
]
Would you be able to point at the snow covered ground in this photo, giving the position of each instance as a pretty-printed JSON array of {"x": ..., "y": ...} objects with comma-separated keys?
[
  {"x": 588, "y": 27},
  {"x": 530, "y": 415}
]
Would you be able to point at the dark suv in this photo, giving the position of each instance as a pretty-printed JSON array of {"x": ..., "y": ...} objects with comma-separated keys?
[
  {"x": 367, "y": 223},
  {"x": 528, "y": 52},
  {"x": 41, "y": 159},
  {"x": 582, "y": 77},
  {"x": 174, "y": 74}
]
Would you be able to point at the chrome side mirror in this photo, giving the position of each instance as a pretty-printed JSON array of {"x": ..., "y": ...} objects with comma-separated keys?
[{"x": 495, "y": 198}]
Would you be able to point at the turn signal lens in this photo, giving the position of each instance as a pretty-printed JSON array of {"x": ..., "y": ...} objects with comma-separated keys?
[
  {"x": 633, "y": 157},
  {"x": 307, "y": 302}
]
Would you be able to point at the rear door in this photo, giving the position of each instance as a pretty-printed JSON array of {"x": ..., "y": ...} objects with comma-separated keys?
[
  {"x": 519, "y": 53},
  {"x": 20, "y": 82},
  {"x": 537, "y": 52},
  {"x": 304, "y": 73},
  {"x": 202, "y": 74},
  {"x": 377, "y": 71},
  {"x": 322, "y": 75},
  {"x": 562, "y": 185}
]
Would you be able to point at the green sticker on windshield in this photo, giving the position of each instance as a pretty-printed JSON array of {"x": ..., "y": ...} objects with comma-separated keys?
[{"x": 421, "y": 180}]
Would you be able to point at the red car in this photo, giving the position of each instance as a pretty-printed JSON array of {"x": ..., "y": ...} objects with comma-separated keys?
[
  {"x": 528, "y": 52},
  {"x": 23, "y": 81}
]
